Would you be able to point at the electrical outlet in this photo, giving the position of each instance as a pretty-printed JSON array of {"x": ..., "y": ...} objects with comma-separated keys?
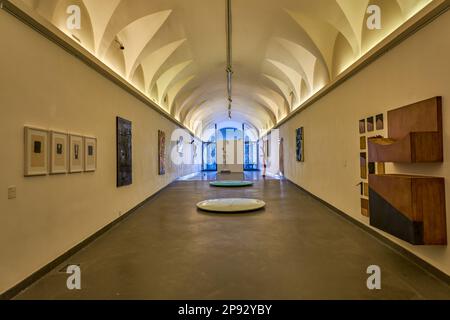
[{"x": 12, "y": 192}]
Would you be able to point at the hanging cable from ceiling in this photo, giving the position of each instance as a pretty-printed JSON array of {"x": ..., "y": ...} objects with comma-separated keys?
[{"x": 229, "y": 69}]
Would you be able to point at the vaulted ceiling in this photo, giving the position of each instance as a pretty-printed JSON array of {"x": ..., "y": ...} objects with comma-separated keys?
[{"x": 284, "y": 51}]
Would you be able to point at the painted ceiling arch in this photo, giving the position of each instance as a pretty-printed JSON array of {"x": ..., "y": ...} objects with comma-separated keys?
[{"x": 284, "y": 51}]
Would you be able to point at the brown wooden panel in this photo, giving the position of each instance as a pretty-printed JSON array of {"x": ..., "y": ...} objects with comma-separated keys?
[
  {"x": 395, "y": 190},
  {"x": 423, "y": 116},
  {"x": 420, "y": 199}
]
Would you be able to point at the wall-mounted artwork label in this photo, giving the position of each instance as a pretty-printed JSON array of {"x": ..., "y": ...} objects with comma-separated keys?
[
  {"x": 370, "y": 124},
  {"x": 59, "y": 158},
  {"x": 380, "y": 122},
  {"x": 362, "y": 126},
  {"x": 161, "y": 152},
  {"x": 300, "y": 143},
  {"x": 124, "y": 152},
  {"x": 90, "y": 154},
  {"x": 36, "y": 152},
  {"x": 363, "y": 164},
  {"x": 76, "y": 154}
]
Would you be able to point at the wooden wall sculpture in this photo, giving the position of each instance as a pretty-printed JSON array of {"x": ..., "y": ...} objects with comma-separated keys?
[
  {"x": 415, "y": 134},
  {"x": 411, "y": 208}
]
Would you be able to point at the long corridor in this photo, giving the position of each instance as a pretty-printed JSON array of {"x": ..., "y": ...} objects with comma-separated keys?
[{"x": 296, "y": 248}]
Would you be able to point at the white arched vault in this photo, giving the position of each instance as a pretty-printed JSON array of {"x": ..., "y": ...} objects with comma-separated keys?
[{"x": 175, "y": 50}]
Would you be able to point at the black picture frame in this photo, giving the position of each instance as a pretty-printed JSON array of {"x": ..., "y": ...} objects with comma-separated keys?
[
  {"x": 300, "y": 150},
  {"x": 124, "y": 152}
]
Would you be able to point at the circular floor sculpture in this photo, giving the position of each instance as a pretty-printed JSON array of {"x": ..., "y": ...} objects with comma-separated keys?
[
  {"x": 231, "y": 184},
  {"x": 231, "y": 205}
]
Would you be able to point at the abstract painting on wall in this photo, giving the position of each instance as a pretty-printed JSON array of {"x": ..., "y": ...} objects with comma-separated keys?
[
  {"x": 362, "y": 126},
  {"x": 380, "y": 122},
  {"x": 180, "y": 145},
  {"x": 76, "y": 154},
  {"x": 59, "y": 159},
  {"x": 300, "y": 143},
  {"x": 370, "y": 124},
  {"x": 36, "y": 152},
  {"x": 124, "y": 152},
  {"x": 90, "y": 154},
  {"x": 161, "y": 152},
  {"x": 363, "y": 164}
]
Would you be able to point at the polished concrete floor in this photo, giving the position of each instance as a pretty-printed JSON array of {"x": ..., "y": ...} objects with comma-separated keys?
[{"x": 296, "y": 248}]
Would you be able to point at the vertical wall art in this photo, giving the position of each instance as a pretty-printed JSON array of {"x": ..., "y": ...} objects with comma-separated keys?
[
  {"x": 380, "y": 122},
  {"x": 90, "y": 154},
  {"x": 59, "y": 152},
  {"x": 180, "y": 145},
  {"x": 370, "y": 124},
  {"x": 36, "y": 152},
  {"x": 124, "y": 152},
  {"x": 76, "y": 154},
  {"x": 300, "y": 143},
  {"x": 362, "y": 126},
  {"x": 369, "y": 128},
  {"x": 161, "y": 152}
]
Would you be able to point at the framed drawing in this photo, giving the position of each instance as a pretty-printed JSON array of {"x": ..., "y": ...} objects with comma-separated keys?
[
  {"x": 363, "y": 165},
  {"x": 59, "y": 152},
  {"x": 161, "y": 152},
  {"x": 36, "y": 152},
  {"x": 90, "y": 154},
  {"x": 124, "y": 152},
  {"x": 300, "y": 141},
  {"x": 362, "y": 126},
  {"x": 370, "y": 124},
  {"x": 76, "y": 154},
  {"x": 380, "y": 122}
]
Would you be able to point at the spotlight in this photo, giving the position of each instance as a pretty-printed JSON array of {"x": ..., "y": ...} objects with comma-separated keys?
[{"x": 121, "y": 46}]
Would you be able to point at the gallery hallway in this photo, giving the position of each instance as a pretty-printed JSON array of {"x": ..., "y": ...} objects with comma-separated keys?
[
  {"x": 126, "y": 123},
  {"x": 296, "y": 248}
]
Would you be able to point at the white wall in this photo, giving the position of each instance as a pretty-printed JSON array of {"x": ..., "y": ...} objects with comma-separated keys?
[
  {"x": 417, "y": 69},
  {"x": 43, "y": 86}
]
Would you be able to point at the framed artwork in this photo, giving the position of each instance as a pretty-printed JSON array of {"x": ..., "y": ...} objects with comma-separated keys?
[
  {"x": 161, "y": 152},
  {"x": 363, "y": 164},
  {"x": 365, "y": 207},
  {"x": 380, "y": 122},
  {"x": 59, "y": 152},
  {"x": 366, "y": 189},
  {"x": 362, "y": 143},
  {"x": 76, "y": 152},
  {"x": 370, "y": 124},
  {"x": 371, "y": 168},
  {"x": 124, "y": 152},
  {"x": 180, "y": 145},
  {"x": 300, "y": 141},
  {"x": 90, "y": 154},
  {"x": 362, "y": 126},
  {"x": 36, "y": 152}
]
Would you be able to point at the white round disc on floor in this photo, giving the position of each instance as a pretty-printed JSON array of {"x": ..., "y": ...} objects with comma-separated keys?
[{"x": 231, "y": 205}]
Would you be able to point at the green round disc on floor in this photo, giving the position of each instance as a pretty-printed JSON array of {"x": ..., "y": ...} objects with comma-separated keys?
[
  {"x": 231, "y": 205},
  {"x": 231, "y": 183}
]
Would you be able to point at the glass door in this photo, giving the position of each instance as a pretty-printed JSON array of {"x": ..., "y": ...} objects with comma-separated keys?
[{"x": 210, "y": 156}]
